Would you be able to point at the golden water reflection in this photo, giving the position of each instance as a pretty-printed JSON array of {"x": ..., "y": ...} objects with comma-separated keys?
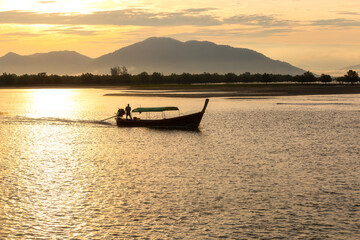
[
  {"x": 46, "y": 185},
  {"x": 257, "y": 169},
  {"x": 51, "y": 191},
  {"x": 51, "y": 102}
]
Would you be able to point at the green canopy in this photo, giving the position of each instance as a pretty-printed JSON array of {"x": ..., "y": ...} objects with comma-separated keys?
[{"x": 155, "y": 109}]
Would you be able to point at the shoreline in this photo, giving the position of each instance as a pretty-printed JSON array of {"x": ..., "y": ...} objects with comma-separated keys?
[
  {"x": 214, "y": 90},
  {"x": 237, "y": 90}
]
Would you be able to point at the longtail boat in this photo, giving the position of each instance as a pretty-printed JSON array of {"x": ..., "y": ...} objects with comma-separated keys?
[{"x": 190, "y": 121}]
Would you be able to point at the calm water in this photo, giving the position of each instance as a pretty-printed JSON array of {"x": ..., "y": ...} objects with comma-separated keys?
[{"x": 277, "y": 168}]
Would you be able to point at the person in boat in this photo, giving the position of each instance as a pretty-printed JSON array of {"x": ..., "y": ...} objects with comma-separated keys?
[{"x": 128, "y": 111}]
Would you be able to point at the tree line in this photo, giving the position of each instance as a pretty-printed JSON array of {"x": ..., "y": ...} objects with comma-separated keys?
[{"x": 120, "y": 76}]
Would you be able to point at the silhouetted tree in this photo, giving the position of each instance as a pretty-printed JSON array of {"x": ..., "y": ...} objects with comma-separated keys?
[
  {"x": 324, "y": 78},
  {"x": 245, "y": 77},
  {"x": 117, "y": 71},
  {"x": 351, "y": 77},
  {"x": 42, "y": 74},
  {"x": 125, "y": 78},
  {"x": 307, "y": 77},
  {"x": 121, "y": 77},
  {"x": 340, "y": 80},
  {"x": 123, "y": 70},
  {"x": 143, "y": 77},
  {"x": 156, "y": 77},
  {"x": 87, "y": 78},
  {"x": 40, "y": 78},
  {"x": 185, "y": 78},
  {"x": 266, "y": 78},
  {"x": 231, "y": 77},
  {"x": 7, "y": 79}
]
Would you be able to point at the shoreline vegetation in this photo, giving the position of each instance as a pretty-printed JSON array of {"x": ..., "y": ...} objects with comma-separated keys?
[{"x": 193, "y": 85}]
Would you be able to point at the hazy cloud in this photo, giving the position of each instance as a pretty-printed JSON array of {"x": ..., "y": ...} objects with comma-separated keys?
[
  {"x": 136, "y": 17},
  {"x": 21, "y": 17},
  {"x": 142, "y": 17},
  {"x": 270, "y": 32},
  {"x": 21, "y": 34},
  {"x": 337, "y": 22},
  {"x": 349, "y": 13},
  {"x": 258, "y": 20},
  {"x": 45, "y": 2},
  {"x": 198, "y": 10},
  {"x": 74, "y": 31},
  {"x": 120, "y": 17},
  {"x": 232, "y": 33}
]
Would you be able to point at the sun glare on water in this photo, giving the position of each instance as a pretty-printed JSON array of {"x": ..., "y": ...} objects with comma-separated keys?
[{"x": 51, "y": 102}]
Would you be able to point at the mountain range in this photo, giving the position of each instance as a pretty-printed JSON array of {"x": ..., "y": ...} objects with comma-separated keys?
[{"x": 164, "y": 55}]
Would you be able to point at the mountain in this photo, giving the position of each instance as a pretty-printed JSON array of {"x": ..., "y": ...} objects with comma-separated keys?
[
  {"x": 164, "y": 55},
  {"x": 167, "y": 55},
  {"x": 60, "y": 62}
]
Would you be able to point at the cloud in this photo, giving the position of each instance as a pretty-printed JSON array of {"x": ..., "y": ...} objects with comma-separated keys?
[
  {"x": 46, "y": 2},
  {"x": 269, "y": 21},
  {"x": 271, "y": 32},
  {"x": 198, "y": 10},
  {"x": 119, "y": 17},
  {"x": 258, "y": 20},
  {"x": 73, "y": 31},
  {"x": 22, "y": 17},
  {"x": 336, "y": 22},
  {"x": 21, "y": 34},
  {"x": 201, "y": 17},
  {"x": 349, "y": 13},
  {"x": 233, "y": 33},
  {"x": 140, "y": 17}
]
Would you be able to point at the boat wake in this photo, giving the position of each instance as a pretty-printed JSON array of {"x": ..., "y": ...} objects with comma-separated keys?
[{"x": 51, "y": 121}]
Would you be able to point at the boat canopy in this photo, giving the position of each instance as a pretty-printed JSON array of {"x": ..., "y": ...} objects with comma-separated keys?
[{"x": 155, "y": 109}]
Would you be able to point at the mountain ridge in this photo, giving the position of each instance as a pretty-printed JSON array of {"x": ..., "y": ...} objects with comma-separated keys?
[{"x": 164, "y": 55}]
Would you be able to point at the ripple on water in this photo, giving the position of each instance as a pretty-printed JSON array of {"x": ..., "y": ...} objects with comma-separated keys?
[{"x": 256, "y": 169}]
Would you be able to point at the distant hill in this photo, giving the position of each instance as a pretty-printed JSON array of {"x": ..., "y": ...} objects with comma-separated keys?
[
  {"x": 167, "y": 55},
  {"x": 60, "y": 62},
  {"x": 164, "y": 55}
]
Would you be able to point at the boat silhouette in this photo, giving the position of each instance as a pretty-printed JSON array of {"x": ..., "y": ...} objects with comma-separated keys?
[{"x": 189, "y": 121}]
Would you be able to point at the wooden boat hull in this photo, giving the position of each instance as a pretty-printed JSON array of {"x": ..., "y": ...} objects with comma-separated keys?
[{"x": 190, "y": 121}]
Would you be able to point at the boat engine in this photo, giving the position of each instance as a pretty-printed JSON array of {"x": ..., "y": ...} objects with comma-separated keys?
[{"x": 120, "y": 112}]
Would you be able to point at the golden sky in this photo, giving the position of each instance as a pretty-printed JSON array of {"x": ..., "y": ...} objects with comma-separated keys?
[{"x": 320, "y": 36}]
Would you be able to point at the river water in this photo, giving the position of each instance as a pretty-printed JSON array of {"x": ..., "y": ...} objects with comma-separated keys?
[{"x": 259, "y": 168}]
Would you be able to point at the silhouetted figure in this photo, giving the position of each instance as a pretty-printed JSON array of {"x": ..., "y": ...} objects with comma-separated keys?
[{"x": 128, "y": 111}]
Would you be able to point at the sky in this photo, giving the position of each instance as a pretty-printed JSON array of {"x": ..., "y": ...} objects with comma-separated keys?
[{"x": 321, "y": 36}]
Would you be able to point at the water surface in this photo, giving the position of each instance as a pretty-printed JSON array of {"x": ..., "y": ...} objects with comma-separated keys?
[{"x": 268, "y": 168}]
